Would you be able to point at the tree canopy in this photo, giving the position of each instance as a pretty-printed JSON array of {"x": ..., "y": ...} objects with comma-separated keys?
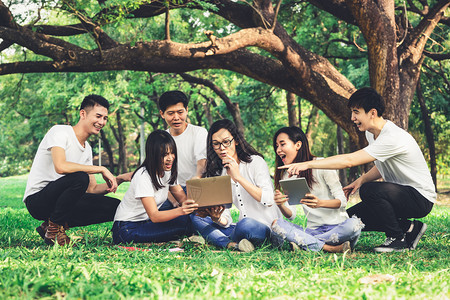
[{"x": 260, "y": 39}]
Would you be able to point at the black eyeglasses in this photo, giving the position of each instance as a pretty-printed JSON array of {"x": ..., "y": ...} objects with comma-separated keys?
[{"x": 226, "y": 144}]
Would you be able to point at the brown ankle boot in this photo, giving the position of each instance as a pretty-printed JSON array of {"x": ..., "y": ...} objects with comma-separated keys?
[
  {"x": 42, "y": 229},
  {"x": 56, "y": 232}
]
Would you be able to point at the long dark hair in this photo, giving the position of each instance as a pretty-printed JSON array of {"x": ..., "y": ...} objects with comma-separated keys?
[
  {"x": 159, "y": 142},
  {"x": 295, "y": 134},
  {"x": 244, "y": 151}
]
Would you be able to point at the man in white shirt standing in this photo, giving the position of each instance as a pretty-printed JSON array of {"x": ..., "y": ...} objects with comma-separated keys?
[
  {"x": 61, "y": 188},
  {"x": 407, "y": 191},
  {"x": 190, "y": 139}
]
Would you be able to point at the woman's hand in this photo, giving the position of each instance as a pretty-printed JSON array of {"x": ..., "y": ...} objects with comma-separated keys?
[
  {"x": 215, "y": 212},
  {"x": 202, "y": 213},
  {"x": 280, "y": 198},
  {"x": 311, "y": 201},
  {"x": 232, "y": 167},
  {"x": 188, "y": 206}
]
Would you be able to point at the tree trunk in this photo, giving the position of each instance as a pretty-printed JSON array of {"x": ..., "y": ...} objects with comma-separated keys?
[
  {"x": 313, "y": 121},
  {"x": 428, "y": 133},
  {"x": 299, "y": 104},
  {"x": 292, "y": 116},
  {"x": 123, "y": 166},
  {"x": 207, "y": 110},
  {"x": 340, "y": 148},
  {"x": 198, "y": 114},
  {"x": 109, "y": 152}
]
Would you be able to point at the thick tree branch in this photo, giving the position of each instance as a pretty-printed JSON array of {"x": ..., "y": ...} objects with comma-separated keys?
[
  {"x": 56, "y": 49},
  {"x": 416, "y": 40},
  {"x": 67, "y": 30},
  {"x": 6, "y": 18},
  {"x": 437, "y": 56},
  {"x": 233, "y": 108},
  {"x": 337, "y": 8}
]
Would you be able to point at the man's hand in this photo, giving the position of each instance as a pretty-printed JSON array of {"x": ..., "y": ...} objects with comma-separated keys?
[
  {"x": 295, "y": 169},
  {"x": 352, "y": 187},
  {"x": 125, "y": 177},
  {"x": 110, "y": 180}
]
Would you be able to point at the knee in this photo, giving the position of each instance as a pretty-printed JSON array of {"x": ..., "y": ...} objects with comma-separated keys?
[
  {"x": 249, "y": 224},
  {"x": 367, "y": 190},
  {"x": 355, "y": 224},
  {"x": 81, "y": 178}
]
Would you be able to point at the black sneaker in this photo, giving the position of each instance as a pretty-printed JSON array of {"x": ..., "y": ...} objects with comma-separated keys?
[
  {"x": 392, "y": 244},
  {"x": 412, "y": 238}
]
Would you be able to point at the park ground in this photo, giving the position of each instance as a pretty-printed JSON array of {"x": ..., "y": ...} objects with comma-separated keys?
[{"x": 99, "y": 270}]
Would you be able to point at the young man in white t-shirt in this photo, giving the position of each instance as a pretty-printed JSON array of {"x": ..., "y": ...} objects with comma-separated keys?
[
  {"x": 190, "y": 139},
  {"x": 61, "y": 188},
  {"x": 407, "y": 191}
]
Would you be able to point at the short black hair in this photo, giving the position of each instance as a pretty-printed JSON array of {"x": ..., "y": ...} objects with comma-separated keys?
[
  {"x": 93, "y": 100},
  {"x": 367, "y": 98},
  {"x": 171, "y": 98}
]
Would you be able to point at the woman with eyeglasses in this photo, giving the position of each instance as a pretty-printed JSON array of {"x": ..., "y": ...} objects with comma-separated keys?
[{"x": 228, "y": 153}]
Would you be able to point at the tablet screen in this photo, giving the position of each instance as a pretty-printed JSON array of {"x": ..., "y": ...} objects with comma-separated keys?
[{"x": 295, "y": 188}]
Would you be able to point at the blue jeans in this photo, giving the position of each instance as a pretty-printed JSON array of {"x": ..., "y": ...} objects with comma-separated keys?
[
  {"x": 149, "y": 232},
  {"x": 220, "y": 237},
  {"x": 314, "y": 239}
]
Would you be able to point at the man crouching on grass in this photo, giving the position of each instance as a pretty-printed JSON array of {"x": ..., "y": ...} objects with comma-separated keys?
[
  {"x": 61, "y": 188},
  {"x": 407, "y": 190}
]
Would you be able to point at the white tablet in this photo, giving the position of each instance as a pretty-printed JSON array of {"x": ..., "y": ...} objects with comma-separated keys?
[{"x": 296, "y": 188}]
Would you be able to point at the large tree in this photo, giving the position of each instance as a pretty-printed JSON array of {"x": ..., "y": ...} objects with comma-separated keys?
[{"x": 261, "y": 47}]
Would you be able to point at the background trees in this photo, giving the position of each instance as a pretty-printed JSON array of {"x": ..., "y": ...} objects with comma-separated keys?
[{"x": 319, "y": 51}]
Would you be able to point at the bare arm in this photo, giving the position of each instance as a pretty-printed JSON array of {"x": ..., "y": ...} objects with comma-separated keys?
[
  {"x": 372, "y": 175},
  {"x": 103, "y": 188},
  {"x": 233, "y": 171},
  {"x": 312, "y": 201},
  {"x": 157, "y": 216},
  {"x": 280, "y": 200},
  {"x": 342, "y": 161},
  {"x": 62, "y": 166},
  {"x": 178, "y": 193},
  {"x": 201, "y": 164}
]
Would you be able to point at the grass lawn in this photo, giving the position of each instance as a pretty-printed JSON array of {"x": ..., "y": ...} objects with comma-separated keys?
[{"x": 99, "y": 270}]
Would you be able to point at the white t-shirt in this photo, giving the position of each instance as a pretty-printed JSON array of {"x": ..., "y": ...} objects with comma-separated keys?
[
  {"x": 191, "y": 147},
  {"x": 326, "y": 186},
  {"x": 43, "y": 170},
  {"x": 400, "y": 160},
  {"x": 257, "y": 173},
  {"x": 131, "y": 207}
]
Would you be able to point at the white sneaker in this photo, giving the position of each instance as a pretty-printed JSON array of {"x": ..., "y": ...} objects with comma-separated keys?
[
  {"x": 245, "y": 246},
  {"x": 196, "y": 239}
]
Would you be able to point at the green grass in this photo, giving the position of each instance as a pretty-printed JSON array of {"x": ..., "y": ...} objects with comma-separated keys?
[{"x": 99, "y": 270}]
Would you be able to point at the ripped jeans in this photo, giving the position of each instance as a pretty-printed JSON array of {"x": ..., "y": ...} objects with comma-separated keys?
[{"x": 314, "y": 239}]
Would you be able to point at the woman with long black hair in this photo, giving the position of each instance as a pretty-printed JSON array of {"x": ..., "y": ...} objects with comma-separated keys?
[
  {"x": 138, "y": 218},
  {"x": 228, "y": 153}
]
